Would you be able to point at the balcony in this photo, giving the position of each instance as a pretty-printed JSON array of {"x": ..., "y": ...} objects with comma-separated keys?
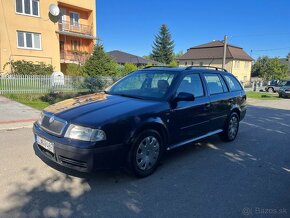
[
  {"x": 77, "y": 57},
  {"x": 80, "y": 30}
]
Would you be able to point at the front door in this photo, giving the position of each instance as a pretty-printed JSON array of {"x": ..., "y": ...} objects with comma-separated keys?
[{"x": 189, "y": 119}]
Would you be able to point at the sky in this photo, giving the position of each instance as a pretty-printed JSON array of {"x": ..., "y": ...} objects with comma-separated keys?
[{"x": 261, "y": 27}]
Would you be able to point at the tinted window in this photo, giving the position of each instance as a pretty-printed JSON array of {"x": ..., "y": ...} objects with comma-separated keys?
[
  {"x": 191, "y": 84},
  {"x": 147, "y": 84},
  {"x": 214, "y": 84},
  {"x": 234, "y": 85}
]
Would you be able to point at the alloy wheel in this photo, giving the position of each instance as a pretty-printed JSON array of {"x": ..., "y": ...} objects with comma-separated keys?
[{"x": 233, "y": 127}]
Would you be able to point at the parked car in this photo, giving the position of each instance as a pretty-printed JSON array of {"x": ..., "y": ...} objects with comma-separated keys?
[
  {"x": 274, "y": 86},
  {"x": 138, "y": 118},
  {"x": 284, "y": 91}
]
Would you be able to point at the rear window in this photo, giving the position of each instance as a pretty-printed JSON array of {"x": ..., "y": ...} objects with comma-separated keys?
[{"x": 233, "y": 83}]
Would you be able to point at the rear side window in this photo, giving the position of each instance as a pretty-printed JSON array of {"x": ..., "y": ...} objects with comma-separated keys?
[
  {"x": 191, "y": 84},
  {"x": 234, "y": 85},
  {"x": 215, "y": 84}
]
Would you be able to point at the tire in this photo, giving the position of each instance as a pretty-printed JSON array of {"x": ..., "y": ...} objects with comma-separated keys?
[
  {"x": 231, "y": 128},
  {"x": 143, "y": 162},
  {"x": 271, "y": 90},
  {"x": 280, "y": 95}
]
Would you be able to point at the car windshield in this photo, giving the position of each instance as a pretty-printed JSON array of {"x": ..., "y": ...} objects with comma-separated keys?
[
  {"x": 144, "y": 85},
  {"x": 282, "y": 83}
]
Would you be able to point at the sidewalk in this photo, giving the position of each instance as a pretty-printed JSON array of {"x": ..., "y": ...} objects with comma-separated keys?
[
  {"x": 14, "y": 115},
  {"x": 278, "y": 104}
]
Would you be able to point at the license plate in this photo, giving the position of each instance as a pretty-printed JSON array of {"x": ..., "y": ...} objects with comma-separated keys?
[{"x": 45, "y": 144}]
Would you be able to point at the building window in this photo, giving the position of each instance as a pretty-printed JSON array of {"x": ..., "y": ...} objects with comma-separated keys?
[
  {"x": 185, "y": 63},
  {"x": 74, "y": 19},
  {"x": 201, "y": 64},
  {"x": 237, "y": 64},
  {"x": 246, "y": 66},
  {"x": 75, "y": 45},
  {"x": 28, "y": 40},
  {"x": 192, "y": 63},
  {"x": 28, "y": 7}
]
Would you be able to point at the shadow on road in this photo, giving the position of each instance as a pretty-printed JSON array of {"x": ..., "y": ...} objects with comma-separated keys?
[{"x": 209, "y": 179}]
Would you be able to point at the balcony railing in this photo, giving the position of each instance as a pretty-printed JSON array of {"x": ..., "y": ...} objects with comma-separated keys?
[
  {"x": 75, "y": 28},
  {"x": 74, "y": 56}
]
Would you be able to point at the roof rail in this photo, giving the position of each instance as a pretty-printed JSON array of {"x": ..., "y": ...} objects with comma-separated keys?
[
  {"x": 155, "y": 66},
  {"x": 210, "y": 67}
]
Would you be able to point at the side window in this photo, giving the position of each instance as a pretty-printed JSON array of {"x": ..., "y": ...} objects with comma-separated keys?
[
  {"x": 214, "y": 83},
  {"x": 234, "y": 85},
  {"x": 191, "y": 84}
]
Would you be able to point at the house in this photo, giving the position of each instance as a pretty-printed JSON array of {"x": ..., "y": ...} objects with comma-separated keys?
[
  {"x": 28, "y": 31},
  {"x": 122, "y": 57},
  {"x": 238, "y": 62}
]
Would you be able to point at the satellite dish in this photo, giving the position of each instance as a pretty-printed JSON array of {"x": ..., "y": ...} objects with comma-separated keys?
[{"x": 54, "y": 10}]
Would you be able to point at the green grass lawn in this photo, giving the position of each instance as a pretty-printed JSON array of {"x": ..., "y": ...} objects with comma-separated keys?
[
  {"x": 263, "y": 95},
  {"x": 33, "y": 101}
]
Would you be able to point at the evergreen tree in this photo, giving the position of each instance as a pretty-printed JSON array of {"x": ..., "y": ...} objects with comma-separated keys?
[
  {"x": 163, "y": 46},
  {"x": 100, "y": 64}
]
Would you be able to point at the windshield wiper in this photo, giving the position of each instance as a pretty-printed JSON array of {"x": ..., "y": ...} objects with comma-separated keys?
[{"x": 128, "y": 96}]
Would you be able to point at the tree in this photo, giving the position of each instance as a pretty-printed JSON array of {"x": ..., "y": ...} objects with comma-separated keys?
[
  {"x": 270, "y": 68},
  {"x": 163, "y": 46},
  {"x": 100, "y": 64}
]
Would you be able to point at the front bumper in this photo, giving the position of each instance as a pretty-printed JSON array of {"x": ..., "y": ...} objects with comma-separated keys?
[
  {"x": 284, "y": 94},
  {"x": 79, "y": 159}
]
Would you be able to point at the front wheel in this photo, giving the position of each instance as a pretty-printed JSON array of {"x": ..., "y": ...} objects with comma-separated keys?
[
  {"x": 146, "y": 153},
  {"x": 231, "y": 128}
]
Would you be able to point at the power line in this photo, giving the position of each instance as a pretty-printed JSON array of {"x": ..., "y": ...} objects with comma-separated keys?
[
  {"x": 258, "y": 35},
  {"x": 272, "y": 49}
]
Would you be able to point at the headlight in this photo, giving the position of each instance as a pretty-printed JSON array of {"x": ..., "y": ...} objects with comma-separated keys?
[
  {"x": 85, "y": 133},
  {"x": 39, "y": 121}
]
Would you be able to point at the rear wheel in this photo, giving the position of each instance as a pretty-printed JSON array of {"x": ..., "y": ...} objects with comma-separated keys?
[
  {"x": 271, "y": 89},
  {"x": 146, "y": 153},
  {"x": 231, "y": 128}
]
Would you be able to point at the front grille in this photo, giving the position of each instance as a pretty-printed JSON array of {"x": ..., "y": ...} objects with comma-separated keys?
[{"x": 53, "y": 124}]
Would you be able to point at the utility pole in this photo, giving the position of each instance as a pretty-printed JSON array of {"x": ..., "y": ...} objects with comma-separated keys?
[{"x": 225, "y": 51}]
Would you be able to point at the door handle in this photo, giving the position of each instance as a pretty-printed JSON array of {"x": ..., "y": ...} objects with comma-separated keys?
[{"x": 207, "y": 107}]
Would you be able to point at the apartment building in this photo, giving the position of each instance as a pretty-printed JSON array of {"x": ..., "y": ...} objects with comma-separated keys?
[{"x": 28, "y": 31}]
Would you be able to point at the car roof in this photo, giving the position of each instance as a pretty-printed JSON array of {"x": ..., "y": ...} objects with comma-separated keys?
[{"x": 188, "y": 69}]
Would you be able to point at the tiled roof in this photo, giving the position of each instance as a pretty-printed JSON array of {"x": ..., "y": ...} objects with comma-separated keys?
[
  {"x": 214, "y": 50},
  {"x": 123, "y": 57}
]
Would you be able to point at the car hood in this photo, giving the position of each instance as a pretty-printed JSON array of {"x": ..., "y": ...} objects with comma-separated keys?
[{"x": 98, "y": 108}]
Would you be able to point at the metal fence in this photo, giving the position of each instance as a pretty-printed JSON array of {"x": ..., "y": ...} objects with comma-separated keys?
[{"x": 45, "y": 84}]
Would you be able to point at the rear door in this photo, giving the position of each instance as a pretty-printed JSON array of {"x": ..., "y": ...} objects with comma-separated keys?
[
  {"x": 190, "y": 119},
  {"x": 220, "y": 99}
]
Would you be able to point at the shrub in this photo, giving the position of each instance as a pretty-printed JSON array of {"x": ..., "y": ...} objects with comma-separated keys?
[
  {"x": 23, "y": 67},
  {"x": 74, "y": 70}
]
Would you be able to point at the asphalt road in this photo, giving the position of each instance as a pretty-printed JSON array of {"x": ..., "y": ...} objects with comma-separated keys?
[{"x": 247, "y": 177}]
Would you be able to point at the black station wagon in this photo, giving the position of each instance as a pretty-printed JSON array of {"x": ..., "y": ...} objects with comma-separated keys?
[{"x": 138, "y": 118}]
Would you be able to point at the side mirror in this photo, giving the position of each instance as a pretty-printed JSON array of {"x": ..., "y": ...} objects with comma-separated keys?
[{"x": 184, "y": 96}]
